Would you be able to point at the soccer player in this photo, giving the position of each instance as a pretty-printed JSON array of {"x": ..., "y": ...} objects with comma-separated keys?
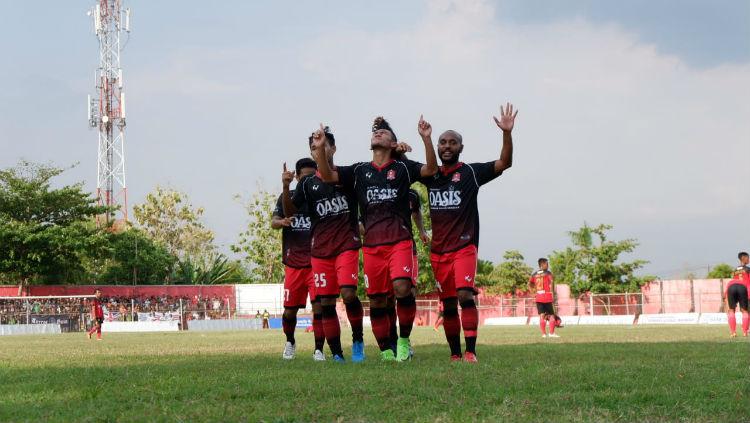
[
  {"x": 97, "y": 316},
  {"x": 298, "y": 276},
  {"x": 382, "y": 190},
  {"x": 738, "y": 291},
  {"x": 543, "y": 283},
  {"x": 334, "y": 248},
  {"x": 455, "y": 230}
]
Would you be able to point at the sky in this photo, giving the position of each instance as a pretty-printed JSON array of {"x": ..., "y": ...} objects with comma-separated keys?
[{"x": 631, "y": 113}]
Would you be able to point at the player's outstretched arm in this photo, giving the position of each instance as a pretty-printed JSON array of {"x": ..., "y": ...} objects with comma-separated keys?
[
  {"x": 318, "y": 150},
  {"x": 423, "y": 235},
  {"x": 505, "y": 123},
  {"x": 286, "y": 198},
  {"x": 425, "y": 131}
]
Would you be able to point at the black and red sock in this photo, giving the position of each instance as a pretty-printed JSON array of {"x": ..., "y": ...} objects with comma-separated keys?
[
  {"x": 452, "y": 326},
  {"x": 288, "y": 324},
  {"x": 354, "y": 313},
  {"x": 406, "y": 309},
  {"x": 381, "y": 327},
  {"x": 470, "y": 323},
  {"x": 320, "y": 337},
  {"x": 332, "y": 329}
]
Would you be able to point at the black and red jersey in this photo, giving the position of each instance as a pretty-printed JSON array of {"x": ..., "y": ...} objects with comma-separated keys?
[
  {"x": 295, "y": 239},
  {"x": 541, "y": 283},
  {"x": 333, "y": 216},
  {"x": 383, "y": 196},
  {"x": 96, "y": 309},
  {"x": 415, "y": 206},
  {"x": 454, "y": 212}
]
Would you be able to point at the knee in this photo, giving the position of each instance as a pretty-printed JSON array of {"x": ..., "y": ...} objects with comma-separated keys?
[
  {"x": 402, "y": 288},
  {"x": 466, "y": 298},
  {"x": 349, "y": 295}
]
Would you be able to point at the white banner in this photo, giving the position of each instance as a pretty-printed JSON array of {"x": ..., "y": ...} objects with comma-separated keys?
[
  {"x": 669, "y": 319},
  {"x": 170, "y": 326},
  {"x": 157, "y": 316},
  {"x": 718, "y": 319},
  {"x": 626, "y": 319},
  {"x": 506, "y": 321}
]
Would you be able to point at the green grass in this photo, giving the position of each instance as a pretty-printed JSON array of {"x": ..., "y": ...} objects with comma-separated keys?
[{"x": 685, "y": 373}]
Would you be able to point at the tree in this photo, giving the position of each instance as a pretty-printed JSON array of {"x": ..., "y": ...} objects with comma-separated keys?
[
  {"x": 46, "y": 235},
  {"x": 721, "y": 271},
  {"x": 591, "y": 265},
  {"x": 135, "y": 258},
  {"x": 510, "y": 276},
  {"x": 426, "y": 282},
  {"x": 169, "y": 219},
  {"x": 259, "y": 243},
  {"x": 218, "y": 271}
]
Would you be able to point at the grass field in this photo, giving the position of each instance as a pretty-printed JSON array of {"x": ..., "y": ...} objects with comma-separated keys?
[{"x": 686, "y": 373}]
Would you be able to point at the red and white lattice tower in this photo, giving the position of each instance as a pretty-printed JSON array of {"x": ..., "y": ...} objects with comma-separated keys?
[{"x": 106, "y": 110}]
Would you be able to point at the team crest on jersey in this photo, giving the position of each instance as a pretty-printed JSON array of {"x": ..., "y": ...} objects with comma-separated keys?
[
  {"x": 456, "y": 177},
  {"x": 369, "y": 175},
  {"x": 315, "y": 187},
  {"x": 391, "y": 175}
]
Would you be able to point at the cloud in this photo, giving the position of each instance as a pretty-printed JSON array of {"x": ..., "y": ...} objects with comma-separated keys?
[{"x": 610, "y": 130}]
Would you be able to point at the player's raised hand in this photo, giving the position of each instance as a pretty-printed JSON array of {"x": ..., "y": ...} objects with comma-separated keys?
[
  {"x": 507, "y": 118},
  {"x": 287, "y": 176},
  {"x": 403, "y": 147},
  {"x": 424, "y": 127},
  {"x": 319, "y": 138}
]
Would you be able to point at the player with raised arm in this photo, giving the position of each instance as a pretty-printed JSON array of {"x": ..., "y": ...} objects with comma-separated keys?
[
  {"x": 542, "y": 282},
  {"x": 455, "y": 230},
  {"x": 334, "y": 248},
  {"x": 97, "y": 316},
  {"x": 298, "y": 276},
  {"x": 382, "y": 190},
  {"x": 738, "y": 292}
]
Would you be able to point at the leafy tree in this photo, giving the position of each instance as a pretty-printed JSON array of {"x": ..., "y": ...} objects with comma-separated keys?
[
  {"x": 721, "y": 271},
  {"x": 591, "y": 263},
  {"x": 218, "y": 271},
  {"x": 169, "y": 219},
  {"x": 135, "y": 258},
  {"x": 510, "y": 276},
  {"x": 426, "y": 282},
  {"x": 46, "y": 234},
  {"x": 260, "y": 244}
]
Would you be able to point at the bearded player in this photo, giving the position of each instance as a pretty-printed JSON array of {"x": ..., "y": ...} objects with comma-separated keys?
[
  {"x": 298, "y": 276},
  {"x": 737, "y": 292},
  {"x": 382, "y": 190},
  {"x": 334, "y": 248},
  {"x": 455, "y": 230}
]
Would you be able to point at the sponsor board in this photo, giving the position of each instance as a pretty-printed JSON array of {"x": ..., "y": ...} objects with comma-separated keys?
[
  {"x": 626, "y": 319},
  {"x": 156, "y": 326},
  {"x": 669, "y": 319},
  {"x": 506, "y": 321},
  {"x": 718, "y": 318}
]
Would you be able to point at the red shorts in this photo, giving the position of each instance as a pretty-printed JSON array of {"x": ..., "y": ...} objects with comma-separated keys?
[
  {"x": 332, "y": 274},
  {"x": 386, "y": 263},
  {"x": 455, "y": 270},
  {"x": 298, "y": 283}
]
